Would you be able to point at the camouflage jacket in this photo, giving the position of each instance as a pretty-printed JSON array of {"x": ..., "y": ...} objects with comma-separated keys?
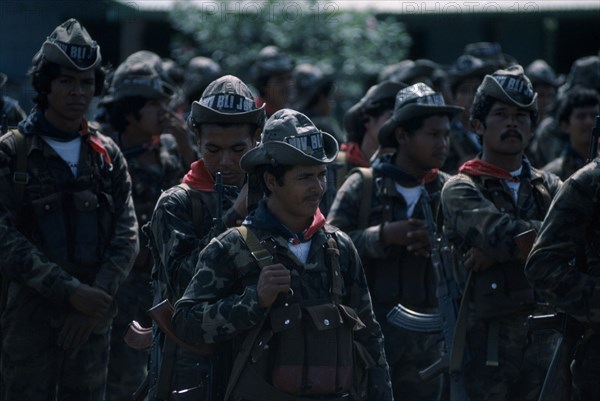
[
  {"x": 565, "y": 165},
  {"x": 548, "y": 142},
  {"x": 149, "y": 182},
  {"x": 394, "y": 274},
  {"x": 91, "y": 216},
  {"x": 563, "y": 265},
  {"x": 480, "y": 211},
  {"x": 221, "y": 302},
  {"x": 175, "y": 239}
]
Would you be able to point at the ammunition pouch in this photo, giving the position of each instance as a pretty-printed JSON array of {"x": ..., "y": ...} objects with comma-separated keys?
[
  {"x": 501, "y": 291},
  {"x": 308, "y": 352}
]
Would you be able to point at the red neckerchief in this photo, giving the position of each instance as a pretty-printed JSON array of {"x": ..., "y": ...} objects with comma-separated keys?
[
  {"x": 269, "y": 110},
  {"x": 354, "y": 154},
  {"x": 95, "y": 143},
  {"x": 431, "y": 176},
  {"x": 317, "y": 222},
  {"x": 199, "y": 177},
  {"x": 478, "y": 167}
]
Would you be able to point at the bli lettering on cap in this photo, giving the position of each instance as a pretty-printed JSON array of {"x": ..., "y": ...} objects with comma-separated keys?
[
  {"x": 304, "y": 143},
  {"x": 515, "y": 85},
  {"x": 233, "y": 103}
]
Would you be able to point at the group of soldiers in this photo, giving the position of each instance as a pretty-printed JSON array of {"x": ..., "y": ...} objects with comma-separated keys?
[{"x": 279, "y": 241}]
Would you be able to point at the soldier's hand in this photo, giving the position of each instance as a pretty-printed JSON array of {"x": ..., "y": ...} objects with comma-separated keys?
[
  {"x": 476, "y": 260},
  {"x": 90, "y": 301},
  {"x": 411, "y": 233},
  {"x": 272, "y": 281},
  {"x": 75, "y": 332}
]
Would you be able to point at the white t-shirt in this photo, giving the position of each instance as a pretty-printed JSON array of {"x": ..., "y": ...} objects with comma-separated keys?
[
  {"x": 300, "y": 250},
  {"x": 515, "y": 185},
  {"x": 68, "y": 151},
  {"x": 411, "y": 196}
]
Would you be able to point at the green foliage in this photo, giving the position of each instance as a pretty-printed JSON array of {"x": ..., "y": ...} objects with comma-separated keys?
[{"x": 355, "y": 45}]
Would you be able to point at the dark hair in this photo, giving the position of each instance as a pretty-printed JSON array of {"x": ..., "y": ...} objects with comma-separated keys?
[
  {"x": 119, "y": 110},
  {"x": 412, "y": 125},
  {"x": 197, "y": 128},
  {"x": 578, "y": 96},
  {"x": 43, "y": 72},
  {"x": 277, "y": 171},
  {"x": 482, "y": 104},
  {"x": 325, "y": 90}
]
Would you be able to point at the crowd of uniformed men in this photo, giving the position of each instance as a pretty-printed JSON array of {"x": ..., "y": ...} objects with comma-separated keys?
[{"x": 282, "y": 239}]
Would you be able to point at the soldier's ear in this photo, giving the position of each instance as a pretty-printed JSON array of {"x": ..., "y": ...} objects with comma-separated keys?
[
  {"x": 401, "y": 135},
  {"x": 478, "y": 127},
  {"x": 270, "y": 181}
]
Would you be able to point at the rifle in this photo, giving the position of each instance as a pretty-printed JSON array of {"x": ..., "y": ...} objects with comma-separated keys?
[
  {"x": 557, "y": 384},
  {"x": 448, "y": 297},
  {"x": 218, "y": 220},
  {"x": 594, "y": 143}
]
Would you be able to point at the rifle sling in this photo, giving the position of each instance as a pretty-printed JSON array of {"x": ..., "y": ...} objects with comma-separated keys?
[
  {"x": 263, "y": 258},
  {"x": 492, "y": 344},
  {"x": 457, "y": 350}
]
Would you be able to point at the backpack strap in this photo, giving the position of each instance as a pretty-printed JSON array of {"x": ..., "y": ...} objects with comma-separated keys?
[
  {"x": 367, "y": 193},
  {"x": 20, "y": 175},
  {"x": 333, "y": 256},
  {"x": 263, "y": 258}
]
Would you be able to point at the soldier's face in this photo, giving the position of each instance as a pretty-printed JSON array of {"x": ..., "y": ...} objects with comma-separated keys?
[
  {"x": 279, "y": 89},
  {"x": 296, "y": 201},
  {"x": 465, "y": 93},
  {"x": 427, "y": 147},
  {"x": 151, "y": 118},
  {"x": 70, "y": 95},
  {"x": 507, "y": 130},
  {"x": 580, "y": 125},
  {"x": 222, "y": 148}
]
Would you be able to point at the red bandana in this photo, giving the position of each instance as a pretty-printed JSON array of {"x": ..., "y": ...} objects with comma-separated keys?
[
  {"x": 199, "y": 177},
  {"x": 95, "y": 143},
  {"x": 431, "y": 176},
  {"x": 317, "y": 222},
  {"x": 354, "y": 154},
  {"x": 478, "y": 167}
]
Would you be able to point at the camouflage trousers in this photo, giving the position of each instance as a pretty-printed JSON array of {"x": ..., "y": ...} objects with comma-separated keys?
[
  {"x": 522, "y": 364},
  {"x": 407, "y": 352},
  {"x": 127, "y": 367},
  {"x": 33, "y": 366}
]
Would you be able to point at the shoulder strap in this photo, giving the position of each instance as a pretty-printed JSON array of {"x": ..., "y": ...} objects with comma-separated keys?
[
  {"x": 263, "y": 258},
  {"x": 367, "y": 193},
  {"x": 20, "y": 176},
  {"x": 197, "y": 199},
  {"x": 543, "y": 198},
  {"x": 341, "y": 168},
  {"x": 333, "y": 255}
]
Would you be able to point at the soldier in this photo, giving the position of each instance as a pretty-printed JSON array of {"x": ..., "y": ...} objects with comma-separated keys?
[
  {"x": 199, "y": 72},
  {"x": 492, "y": 200},
  {"x": 68, "y": 229},
  {"x": 545, "y": 84},
  {"x": 273, "y": 78},
  {"x": 575, "y": 114},
  {"x": 311, "y": 273},
  {"x": 393, "y": 242},
  {"x": 10, "y": 111},
  {"x": 563, "y": 268},
  {"x": 464, "y": 77},
  {"x": 227, "y": 124},
  {"x": 137, "y": 105}
]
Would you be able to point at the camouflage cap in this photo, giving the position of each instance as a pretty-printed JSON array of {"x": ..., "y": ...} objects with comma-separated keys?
[
  {"x": 137, "y": 77},
  {"x": 415, "y": 101},
  {"x": 539, "y": 72},
  {"x": 271, "y": 60},
  {"x": 490, "y": 52},
  {"x": 585, "y": 71},
  {"x": 226, "y": 100},
  {"x": 467, "y": 66},
  {"x": 310, "y": 80},
  {"x": 511, "y": 86},
  {"x": 71, "y": 46},
  {"x": 199, "y": 72},
  {"x": 291, "y": 138}
]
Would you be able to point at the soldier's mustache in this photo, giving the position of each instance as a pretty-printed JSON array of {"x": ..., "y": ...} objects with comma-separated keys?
[{"x": 510, "y": 134}]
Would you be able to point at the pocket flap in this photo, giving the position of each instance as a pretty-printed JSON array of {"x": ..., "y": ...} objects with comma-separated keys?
[
  {"x": 351, "y": 318},
  {"x": 285, "y": 317},
  {"x": 325, "y": 317},
  {"x": 85, "y": 200},
  {"x": 48, "y": 204}
]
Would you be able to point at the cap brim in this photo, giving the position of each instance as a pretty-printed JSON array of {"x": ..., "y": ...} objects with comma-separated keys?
[
  {"x": 273, "y": 152},
  {"x": 167, "y": 92},
  {"x": 386, "y": 132},
  {"x": 55, "y": 54},
  {"x": 206, "y": 115}
]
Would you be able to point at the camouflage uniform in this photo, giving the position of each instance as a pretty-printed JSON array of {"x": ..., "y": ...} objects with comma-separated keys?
[
  {"x": 563, "y": 266},
  {"x": 45, "y": 259},
  {"x": 568, "y": 163},
  {"x": 127, "y": 368},
  {"x": 548, "y": 143},
  {"x": 394, "y": 274},
  {"x": 480, "y": 211},
  {"x": 221, "y": 302}
]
